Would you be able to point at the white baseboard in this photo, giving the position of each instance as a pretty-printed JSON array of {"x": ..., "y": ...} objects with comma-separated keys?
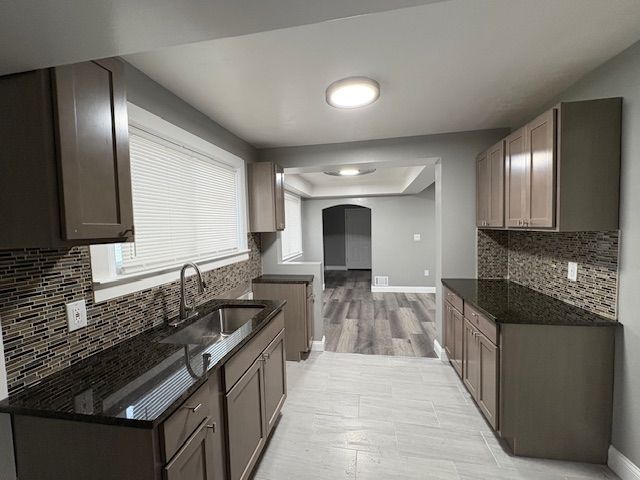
[
  {"x": 403, "y": 289},
  {"x": 442, "y": 355},
  {"x": 318, "y": 345},
  {"x": 622, "y": 466},
  {"x": 335, "y": 267}
]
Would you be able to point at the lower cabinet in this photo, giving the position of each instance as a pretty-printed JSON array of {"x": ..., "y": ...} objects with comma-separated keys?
[
  {"x": 454, "y": 336},
  {"x": 275, "y": 380},
  {"x": 194, "y": 460},
  {"x": 247, "y": 430},
  {"x": 481, "y": 371}
]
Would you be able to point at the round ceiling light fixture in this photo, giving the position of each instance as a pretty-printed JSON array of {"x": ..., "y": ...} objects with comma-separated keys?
[
  {"x": 353, "y": 92},
  {"x": 350, "y": 172}
]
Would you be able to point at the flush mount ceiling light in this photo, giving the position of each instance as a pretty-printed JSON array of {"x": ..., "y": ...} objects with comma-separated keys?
[
  {"x": 350, "y": 172},
  {"x": 353, "y": 92}
]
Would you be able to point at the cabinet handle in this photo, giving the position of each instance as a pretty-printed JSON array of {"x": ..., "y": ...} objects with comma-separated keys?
[
  {"x": 212, "y": 427},
  {"x": 124, "y": 232},
  {"x": 194, "y": 409}
]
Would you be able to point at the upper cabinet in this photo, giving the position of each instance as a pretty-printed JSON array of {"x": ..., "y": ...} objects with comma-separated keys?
[
  {"x": 561, "y": 170},
  {"x": 266, "y": 197},
  {"x": 490, "y": 187},
  {"x": 64, "y": 176}
]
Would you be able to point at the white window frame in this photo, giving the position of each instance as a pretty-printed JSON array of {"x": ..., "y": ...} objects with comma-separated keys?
[
  {"x": 294, "y": 255},
  {"x": 107, "y": 284}
]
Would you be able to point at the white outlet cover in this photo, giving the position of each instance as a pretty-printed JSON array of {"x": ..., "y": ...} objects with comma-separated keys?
[
  {"x": 77, "y": 315},
  {"x": 417, "y": 237},
  {"x": 426, "y": 273},
  {"x": 572, "y": 271}
]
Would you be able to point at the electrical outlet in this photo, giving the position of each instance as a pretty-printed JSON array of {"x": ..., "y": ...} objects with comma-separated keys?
[
  {"x": 83, "y": 402},
  {"x": 426, "y": 273},
  {"x": 417, "y": 237},
  {"x": 76, "y": 315},
  {"x": 572, "y": 271}
]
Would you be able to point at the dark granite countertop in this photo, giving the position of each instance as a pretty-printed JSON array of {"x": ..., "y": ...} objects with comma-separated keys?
[
  {"x": 284, "y": 279},
  {"x": 507, "y": 302},
  {"x": 138, "y": 382}
]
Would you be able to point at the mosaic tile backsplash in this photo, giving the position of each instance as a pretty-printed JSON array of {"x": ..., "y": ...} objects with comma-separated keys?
[
  {"x": 538, "y": 260},
  {"x": 35, "y": 284}
]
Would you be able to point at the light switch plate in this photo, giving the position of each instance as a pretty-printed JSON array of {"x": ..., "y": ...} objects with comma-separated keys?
[
  {"x": 426, "y": 273},
  {"x": 572, "y": 271},
  {"x": 417, "y": 237},
  {"x": 76, "y": 315}
]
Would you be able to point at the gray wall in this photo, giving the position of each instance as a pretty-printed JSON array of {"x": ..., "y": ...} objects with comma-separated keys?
[
  {"x": 455, "y": 188},
  {"x": 334, "y": 235},
  {"x": 620, "y": 76},
  {"x": 394, "y": 220}
]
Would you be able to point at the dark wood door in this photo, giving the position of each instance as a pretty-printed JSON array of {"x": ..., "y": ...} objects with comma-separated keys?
[
  {"x": 517, "y": 174},
  {"x": 488, "y": 385},
  {"x": 483, "y": 190},
  {"x": 457, "y": 321},
  {"x": 193, "y": 460},
  {"x": 495, "y": 162},
  {"x": 93, "y": 150},
  {"x": 471, "y": 367},
  {"x": 279, "y": 198},
  {"x": 275, "y": 379},
  {"x": 541, "y": 155},
  {"x": 246, "y": 424}
]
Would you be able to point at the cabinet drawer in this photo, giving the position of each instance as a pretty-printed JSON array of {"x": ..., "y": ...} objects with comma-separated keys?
[
  {"x": 184, "y": 421},
  {"x": 482, "y": 323},
  {"x": 453, "y": 299},
  {"x": 241, "y": 361}
]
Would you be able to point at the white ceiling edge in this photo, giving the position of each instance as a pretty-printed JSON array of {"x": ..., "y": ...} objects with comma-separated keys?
[
  {"x": 406, "y": 162},
  {"x": 419, "y": 178},
  {"x": 36, "y": 34}
]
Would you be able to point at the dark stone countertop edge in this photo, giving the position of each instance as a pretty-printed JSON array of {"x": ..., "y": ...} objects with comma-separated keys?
[
  {"x": 149, "y": 424},
  {"x": 283, "y": 278},
  {"x": 449, "y": 283}
]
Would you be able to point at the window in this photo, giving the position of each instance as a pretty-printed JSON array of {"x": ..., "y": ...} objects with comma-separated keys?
[
  {"x": 291, "y": 236},
  {"x": 188, "y": 205}
]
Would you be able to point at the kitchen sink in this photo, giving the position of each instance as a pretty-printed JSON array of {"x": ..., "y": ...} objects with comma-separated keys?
[{"x": 214, "y": 325}]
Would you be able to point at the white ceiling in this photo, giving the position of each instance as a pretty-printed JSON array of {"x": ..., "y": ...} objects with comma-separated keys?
[
  {"x": 36, "y": 33},
  {"x": 455, "y": 65},
  {"x": 410, "y": 178}
]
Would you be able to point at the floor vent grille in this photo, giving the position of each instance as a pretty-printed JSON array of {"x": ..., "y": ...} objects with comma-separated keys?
[{"x": 380, "y": 281}]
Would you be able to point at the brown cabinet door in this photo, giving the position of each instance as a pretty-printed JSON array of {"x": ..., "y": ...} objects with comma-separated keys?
[
  {"x": 193, "y": 460},
  {"x": 495, "y": 162},
  {"x": 310, "y": 320},
  {"x": 488, "y": 385},
  {"x": 275, "y": 379},
  {"x": 279, "y": 198},
  {"x": 541, "y": 154},
  {"x": 93, "y": 150},
  {"x": 448, "y": 331},
  {"x": 471, "y": 369},
  {"x": 516, "y": 174},
  {"x": 246, "y": 425},
  {"x": 483, "y": 190},
  {"x": 458, "y": 340}
]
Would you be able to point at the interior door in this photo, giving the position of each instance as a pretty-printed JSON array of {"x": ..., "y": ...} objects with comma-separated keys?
[
  {"x": 275, "y": 379},
  {"x": 93, "y": 150},
  {"x": 542, "y": 170},
  {"x": 495, "y": 161},
  {"x": 483, "y": 190},
  {"x": 358, "y": 238},
  {"x": 517, "y": 173}
]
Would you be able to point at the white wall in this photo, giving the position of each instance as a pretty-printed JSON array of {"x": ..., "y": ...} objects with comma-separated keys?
[
  {"x": 394, "y": 220},
  {"x": 620, "y": 76}
]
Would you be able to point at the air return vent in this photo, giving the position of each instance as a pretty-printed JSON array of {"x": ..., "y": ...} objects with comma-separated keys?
[{"x": 379, "y": 281}]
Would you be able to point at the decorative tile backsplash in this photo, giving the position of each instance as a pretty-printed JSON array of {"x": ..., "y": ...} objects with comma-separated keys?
[
  {"x": 35, "y": 284},
  {"x": 539, "y": 260}
]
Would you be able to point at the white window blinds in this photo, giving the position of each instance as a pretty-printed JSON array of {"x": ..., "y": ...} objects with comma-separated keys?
[
  {"x": 291, "y": 237},
  {"x": 185, "y": 205}
]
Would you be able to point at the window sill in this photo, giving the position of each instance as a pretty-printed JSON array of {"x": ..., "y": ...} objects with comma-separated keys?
[
  {"x": 292, "y": 258},
  {"x": 109, "y": 288}
]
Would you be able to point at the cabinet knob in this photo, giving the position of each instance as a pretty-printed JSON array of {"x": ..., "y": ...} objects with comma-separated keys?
[{"x": 194, "y": 409}]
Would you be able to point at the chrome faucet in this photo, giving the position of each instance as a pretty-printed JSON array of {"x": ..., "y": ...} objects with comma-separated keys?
[{"x": 188, "y": 311}]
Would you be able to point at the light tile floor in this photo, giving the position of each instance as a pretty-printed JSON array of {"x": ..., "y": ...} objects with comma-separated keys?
[{"x": 372, "y": 417}]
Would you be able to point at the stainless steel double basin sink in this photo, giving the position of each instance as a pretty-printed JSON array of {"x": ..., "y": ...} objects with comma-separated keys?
[{"x": 214, "y": 325}]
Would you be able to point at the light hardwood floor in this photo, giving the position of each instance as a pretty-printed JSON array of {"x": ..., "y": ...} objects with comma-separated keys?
[
  {"x": 372, "y": 417},
  {"x": 359, "y": 321}
]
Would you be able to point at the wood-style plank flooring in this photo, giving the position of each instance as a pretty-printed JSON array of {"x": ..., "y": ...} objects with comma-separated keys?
[{"x": 359, "y": 321}]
